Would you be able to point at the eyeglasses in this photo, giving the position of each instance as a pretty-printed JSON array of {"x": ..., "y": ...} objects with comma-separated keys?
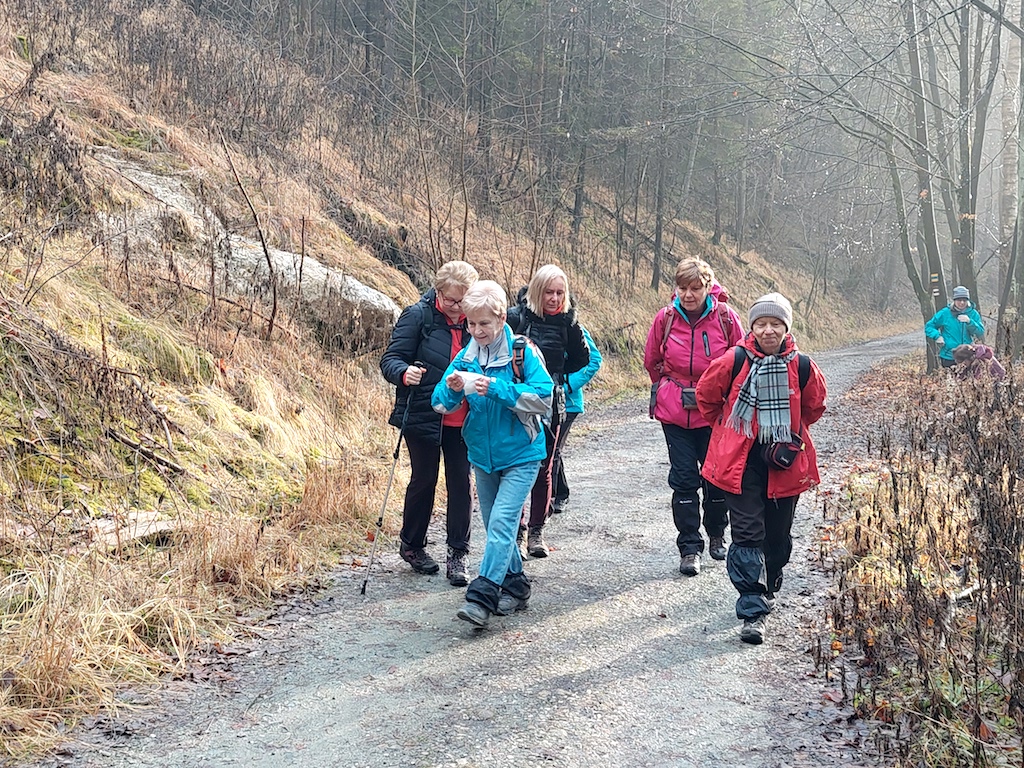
[{"x": 449, "y": 302}]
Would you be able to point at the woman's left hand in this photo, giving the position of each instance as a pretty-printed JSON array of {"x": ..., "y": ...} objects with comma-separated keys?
[{"x": 483, "y": 385}]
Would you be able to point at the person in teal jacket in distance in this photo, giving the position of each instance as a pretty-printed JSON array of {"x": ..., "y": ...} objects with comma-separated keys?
[
  {"x": 507, "y": 398},
  {"x": 957, "y": 324},
  {"x": 574, "y": 384}
]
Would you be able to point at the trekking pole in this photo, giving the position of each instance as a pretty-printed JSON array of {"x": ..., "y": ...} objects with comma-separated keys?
[{"x": 387, "y": 491}]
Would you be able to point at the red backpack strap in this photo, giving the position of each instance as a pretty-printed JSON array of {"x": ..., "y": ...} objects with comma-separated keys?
[
  {"x": 669, "y": 317},
  {"x": 725, "y": 320}
]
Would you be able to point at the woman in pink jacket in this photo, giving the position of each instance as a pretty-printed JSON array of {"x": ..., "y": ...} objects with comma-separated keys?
[
  {"x": 685, "y": 337},
  {"x": 760, "y": 401}
]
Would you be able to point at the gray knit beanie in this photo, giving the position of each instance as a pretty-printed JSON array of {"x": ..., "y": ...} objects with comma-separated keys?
[
  {"x": 961, "y": 293},
  {"x": 772, "y": 305}
]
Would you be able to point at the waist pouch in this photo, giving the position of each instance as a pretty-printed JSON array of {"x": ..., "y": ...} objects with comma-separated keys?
[
  {"x": 782, "y": 455},
  {"x": 689, "y": 396}
]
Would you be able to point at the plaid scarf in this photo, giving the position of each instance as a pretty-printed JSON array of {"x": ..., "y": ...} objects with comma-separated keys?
[{"x": 765, "y": 390}]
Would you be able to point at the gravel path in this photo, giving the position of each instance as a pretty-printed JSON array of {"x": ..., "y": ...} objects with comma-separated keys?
[{"x": 619, "y": 660}]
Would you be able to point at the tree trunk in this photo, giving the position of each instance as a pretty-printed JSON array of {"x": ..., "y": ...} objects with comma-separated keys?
[{"x": 926, "y": 208}]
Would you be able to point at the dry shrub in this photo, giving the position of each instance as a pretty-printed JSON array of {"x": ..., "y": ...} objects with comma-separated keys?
[
  {"x": 75, "y": 629},
  {"x": 929, "y": 604}
]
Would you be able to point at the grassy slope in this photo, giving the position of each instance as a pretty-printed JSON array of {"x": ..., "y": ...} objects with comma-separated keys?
[{"x": 125, "y": 397}]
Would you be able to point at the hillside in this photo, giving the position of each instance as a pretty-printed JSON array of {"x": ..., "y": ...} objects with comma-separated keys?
[{"x": 182, "y": 443}]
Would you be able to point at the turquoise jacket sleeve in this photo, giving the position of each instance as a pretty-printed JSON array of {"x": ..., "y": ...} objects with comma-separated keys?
[
  {"x": 976, "y": 328},
  {"x": 530, "y": 396},
  {"x": 933, "y": 328},
  {"x": 577, "y": 380},
  {"x": 445, "y": 399}
]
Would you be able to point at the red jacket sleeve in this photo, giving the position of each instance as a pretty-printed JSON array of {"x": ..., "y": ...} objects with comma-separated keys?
[{"x": 714, "y": 385}]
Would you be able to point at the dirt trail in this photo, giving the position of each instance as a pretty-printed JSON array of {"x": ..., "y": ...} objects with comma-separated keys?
[{"x": 619, "y": 660}]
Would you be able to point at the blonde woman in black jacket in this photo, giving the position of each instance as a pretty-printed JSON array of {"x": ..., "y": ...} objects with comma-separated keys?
[
  {"x": 425, "y": 340},
  {"x": 546, "y": 315}
]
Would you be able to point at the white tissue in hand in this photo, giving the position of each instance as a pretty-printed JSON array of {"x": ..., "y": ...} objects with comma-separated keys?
[{"x": 469, "y": 377}]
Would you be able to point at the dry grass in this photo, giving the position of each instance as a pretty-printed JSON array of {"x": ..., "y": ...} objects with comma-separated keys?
[{"x": 929, "y": 606}]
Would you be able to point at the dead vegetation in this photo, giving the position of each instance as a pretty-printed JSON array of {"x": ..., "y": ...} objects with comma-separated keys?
[{"x": 928, "y": 611}]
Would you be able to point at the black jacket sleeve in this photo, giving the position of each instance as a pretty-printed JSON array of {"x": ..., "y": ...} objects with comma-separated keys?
[
  {"x": 577, "y": 353},
  {"x": 404, "y": 344}
]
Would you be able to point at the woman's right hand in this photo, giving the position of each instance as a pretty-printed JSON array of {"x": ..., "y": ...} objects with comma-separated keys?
[
  {"x": 455, "y": 382},
  {"x": 413, "y": 375}
]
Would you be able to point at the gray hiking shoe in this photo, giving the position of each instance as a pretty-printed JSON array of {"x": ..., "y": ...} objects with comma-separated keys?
[
  {"x": 689, "y": 565},
  {"x": 716, "y": 548},
  {"x": 474, "y": 613},
  {"x": 456, "y": 568},
  {"x": 535, "y": 544},
  {"x": 418, "y": 558},
  {"x": 509, "y": 604},
  {"x": 753, "y": 630}
]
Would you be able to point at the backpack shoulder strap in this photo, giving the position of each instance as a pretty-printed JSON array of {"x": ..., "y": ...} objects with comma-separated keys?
[
  {"x": 427, "y": 326},
  {"x": 803, "y": 367},
  {"x": 725, "y": 320},
  {"x": 738, "y": 356},
  {"x": 518, "y": 356},
  {"x": 669, "y": 317}
]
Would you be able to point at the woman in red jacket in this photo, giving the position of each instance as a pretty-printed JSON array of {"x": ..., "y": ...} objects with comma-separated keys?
[
  {"x": 684, "y": 338},
  {"x": 761, "y": 452}
]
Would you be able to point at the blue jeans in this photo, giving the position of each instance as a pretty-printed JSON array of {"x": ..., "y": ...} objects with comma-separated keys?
[{"x": 502, "y": 495}]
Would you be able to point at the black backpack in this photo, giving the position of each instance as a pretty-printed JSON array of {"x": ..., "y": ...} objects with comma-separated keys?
[{"x": 803, "y": 365}]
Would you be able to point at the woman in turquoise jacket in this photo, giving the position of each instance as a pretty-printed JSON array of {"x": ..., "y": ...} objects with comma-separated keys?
[
  {"x": 957, "y": 324},
  {"x": 574, "y": 384},
  {"x": 508, "y": 390}
]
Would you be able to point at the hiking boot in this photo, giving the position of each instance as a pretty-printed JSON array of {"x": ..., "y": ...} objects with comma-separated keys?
[
  {"x": 535, "y": 543},
  {"x": 716, "y": 548},
  {"x": 689, "y": 565},
  {"x": 418, "y": 558},
  {"x": 770, "y": 598},
  {"x": 456, "y": 568},
  {"x": 509, "y": 604},
  {"x": 558, "y": 506},
  {"x": 753, "y": 630},
  {"x": 521, "y": 542},
  {"x": 474, "y": 613}
]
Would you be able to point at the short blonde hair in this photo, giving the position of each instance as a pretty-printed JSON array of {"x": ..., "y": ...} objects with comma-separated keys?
[
  {"x": 455, "y": 274},
  {"x": 691, "y": 269},
  {"x": 485, "y": 294},
  {"x": 540, "y": 280}
]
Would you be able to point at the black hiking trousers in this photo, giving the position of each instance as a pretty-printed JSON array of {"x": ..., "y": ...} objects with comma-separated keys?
[
  {"x": 687, "y": 449},
  {"x": 425, "y": 460},
  {"x": 761, "y": 538}
]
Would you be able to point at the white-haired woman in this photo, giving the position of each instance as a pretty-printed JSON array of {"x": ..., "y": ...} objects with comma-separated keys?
[
  {"x": 507, "y": 390},
  {"x": 546, "y": 315},
  {"x": 425, "y": 340}
]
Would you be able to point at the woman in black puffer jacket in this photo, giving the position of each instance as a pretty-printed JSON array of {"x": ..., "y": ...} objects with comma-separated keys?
[
  {"x": 426, "y": 338},
  {"x": 546, "y": 316}
]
